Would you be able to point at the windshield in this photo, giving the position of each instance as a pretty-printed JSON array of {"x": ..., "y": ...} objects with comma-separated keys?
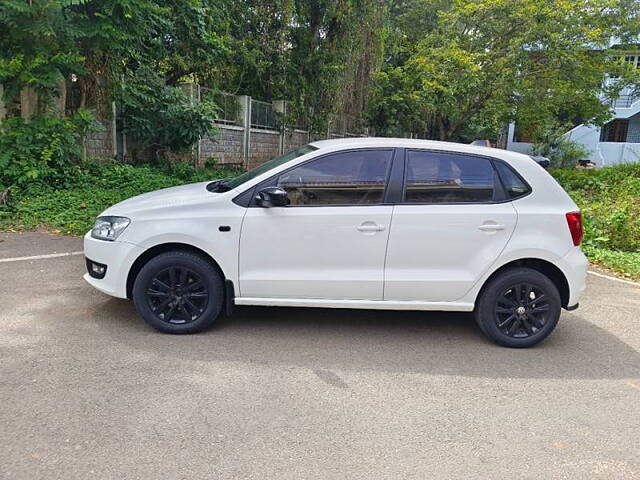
[{"x": 265, "y": 167}]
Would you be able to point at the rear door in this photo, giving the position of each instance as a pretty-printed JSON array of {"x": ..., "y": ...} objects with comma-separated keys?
[{"x": 450, "y": 225}]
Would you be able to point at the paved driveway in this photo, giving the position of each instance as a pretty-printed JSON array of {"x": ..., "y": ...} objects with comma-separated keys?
[{"x": 88, "y": 391}]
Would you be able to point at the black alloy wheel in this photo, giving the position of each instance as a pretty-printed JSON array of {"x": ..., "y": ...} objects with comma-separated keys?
[
  {"x": 177, "y": 295},
  {"x": 179, "y": 292},
  {"x": 521, "y": 311},
  {"x": 518, "y": 307}
]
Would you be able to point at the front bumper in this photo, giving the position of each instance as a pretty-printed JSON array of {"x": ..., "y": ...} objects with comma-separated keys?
[{"x": 118, "y": 257}]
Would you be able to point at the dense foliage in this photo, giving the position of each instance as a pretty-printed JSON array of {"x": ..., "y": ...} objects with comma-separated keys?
[
  {"x": 610, "y": 201},
  {"x": 437, "y": 69},
  {"x": 311, "y": 52},
  {"x": 45, "y": 150},
  {"x": 166, "y": 119}
]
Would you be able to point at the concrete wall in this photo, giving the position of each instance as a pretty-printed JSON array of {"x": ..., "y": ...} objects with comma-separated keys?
[
  {"x": 294, "y": 139},
  {"x": 236, "y": 142},
  {"x": 225, "y": 147},
  {"x": 263, "y": 145},
  {"x": 633, "y": 134}
]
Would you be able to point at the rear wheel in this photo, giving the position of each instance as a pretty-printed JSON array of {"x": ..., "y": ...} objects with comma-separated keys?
[
  {"x": 178, "y": 292},
  {"x": 518, "y": 308}
]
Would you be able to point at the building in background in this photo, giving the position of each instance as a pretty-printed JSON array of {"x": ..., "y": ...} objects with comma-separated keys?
[{"x": 618, "y": 141}]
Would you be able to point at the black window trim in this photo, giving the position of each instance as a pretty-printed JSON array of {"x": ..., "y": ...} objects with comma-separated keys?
[
  {"x": 271, "y": 180},
  {"x": 395, "y": 182},
  {"x": 500, "y": 192}
]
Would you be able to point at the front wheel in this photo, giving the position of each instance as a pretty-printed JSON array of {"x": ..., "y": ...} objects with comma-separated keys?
[
  {"x": 178, "y": 292},
  {"x": 518, "y": 308}
]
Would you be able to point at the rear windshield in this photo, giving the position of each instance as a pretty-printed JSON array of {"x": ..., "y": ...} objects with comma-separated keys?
[{"x": 271, "y": 164}]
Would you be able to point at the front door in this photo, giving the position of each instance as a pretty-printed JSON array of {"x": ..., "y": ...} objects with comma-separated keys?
[
  {"x": 330, "y": 242},
  {"x": 450, "y": 226}
]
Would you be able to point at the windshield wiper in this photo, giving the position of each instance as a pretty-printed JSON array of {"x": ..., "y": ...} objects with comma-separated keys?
[{"x": 219, "y": 186}]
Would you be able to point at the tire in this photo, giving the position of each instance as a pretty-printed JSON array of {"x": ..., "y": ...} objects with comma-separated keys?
[
  {"x": 179, "y": 292},
  {"x": 518, "y": 308}
]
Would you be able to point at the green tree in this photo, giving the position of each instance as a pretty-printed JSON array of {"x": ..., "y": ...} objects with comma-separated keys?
[
  {"x": 37, "y": 49},
  {"x": 483, "y": 63}
]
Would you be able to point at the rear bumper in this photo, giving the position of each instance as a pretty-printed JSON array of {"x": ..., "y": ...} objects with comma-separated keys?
[
  {"x": 574, "y": 265},
  {"x": 118, "y": 258}
]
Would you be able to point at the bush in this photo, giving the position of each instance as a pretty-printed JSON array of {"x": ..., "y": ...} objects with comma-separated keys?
[
  {"x": 164, "y": 118},
  {"x": 45, "y": 150}
]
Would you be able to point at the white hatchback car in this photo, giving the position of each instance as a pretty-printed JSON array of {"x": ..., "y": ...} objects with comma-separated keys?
[{"x": 372, "y": 223}]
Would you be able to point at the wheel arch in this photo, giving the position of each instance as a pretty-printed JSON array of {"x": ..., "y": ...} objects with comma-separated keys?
[
  {"x": 545, "y": 267},
  {"x": 156, "y": 250}
]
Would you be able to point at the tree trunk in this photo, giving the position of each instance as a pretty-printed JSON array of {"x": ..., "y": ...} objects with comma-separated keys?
[
  {"x": 3, "y": 109},
  {"x": 60, "y": 102},
  {"x": 28, "y": 103}
]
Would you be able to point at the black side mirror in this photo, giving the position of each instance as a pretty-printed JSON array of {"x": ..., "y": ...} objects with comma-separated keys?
[{"x": 272, "y": 197}]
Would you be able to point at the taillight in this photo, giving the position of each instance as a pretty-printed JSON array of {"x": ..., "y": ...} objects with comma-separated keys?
[{"x": 574, "y": 220}]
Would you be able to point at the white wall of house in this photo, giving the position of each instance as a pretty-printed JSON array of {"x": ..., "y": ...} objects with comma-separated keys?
[{"x": 521, "y": 147}]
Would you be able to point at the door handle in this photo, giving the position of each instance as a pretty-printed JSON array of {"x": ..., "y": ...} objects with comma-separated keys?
[
  {"x": 491, "y": 227},
  {"x": 370, "y": 227}
]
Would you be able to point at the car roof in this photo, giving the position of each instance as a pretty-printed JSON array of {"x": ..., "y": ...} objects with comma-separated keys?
[{"x": 364, "y": 142}]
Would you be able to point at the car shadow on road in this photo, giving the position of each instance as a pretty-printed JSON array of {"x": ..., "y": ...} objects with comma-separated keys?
[{"x": 409, "y": 342}]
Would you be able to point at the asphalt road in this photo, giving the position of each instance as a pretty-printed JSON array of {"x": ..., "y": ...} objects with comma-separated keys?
[{"x": 88, "y": 391}]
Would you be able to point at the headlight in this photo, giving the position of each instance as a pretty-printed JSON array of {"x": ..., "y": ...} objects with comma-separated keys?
[{"x": 109, "y": 228}]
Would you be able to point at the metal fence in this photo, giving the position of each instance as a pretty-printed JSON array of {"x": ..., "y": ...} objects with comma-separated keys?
[
  {"x": 229, "y": 109},
  {"x": 263, "y": 115},
  {"x": 266, "y": 116}
]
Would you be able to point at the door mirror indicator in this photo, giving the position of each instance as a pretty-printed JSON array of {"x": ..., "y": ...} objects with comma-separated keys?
[{"x": 272, "y": 197}]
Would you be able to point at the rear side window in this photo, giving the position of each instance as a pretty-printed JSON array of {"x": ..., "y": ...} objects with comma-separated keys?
[
  {"x": 514, "y": 185},
  {"x": 441, "y": 177}
]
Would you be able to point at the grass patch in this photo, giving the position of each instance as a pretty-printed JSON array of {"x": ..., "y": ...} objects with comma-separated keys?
[{"x": 625, "y": 264}]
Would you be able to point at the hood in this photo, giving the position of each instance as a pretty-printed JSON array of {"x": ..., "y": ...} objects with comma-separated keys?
[{"x": 166, "y": 197}]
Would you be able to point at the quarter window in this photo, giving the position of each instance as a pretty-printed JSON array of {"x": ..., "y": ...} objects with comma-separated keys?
[
  {"x": 345, "y": 178},
  {"x": 434, "y": 177},
  {"x": 513, "y": 184}
]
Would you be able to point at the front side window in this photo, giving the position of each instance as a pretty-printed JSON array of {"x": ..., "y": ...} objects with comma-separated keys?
[
  {"x": 439, "y": 177},
  {"x": 344, "y": 178},
  {"x": 271, "y": 164}
]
